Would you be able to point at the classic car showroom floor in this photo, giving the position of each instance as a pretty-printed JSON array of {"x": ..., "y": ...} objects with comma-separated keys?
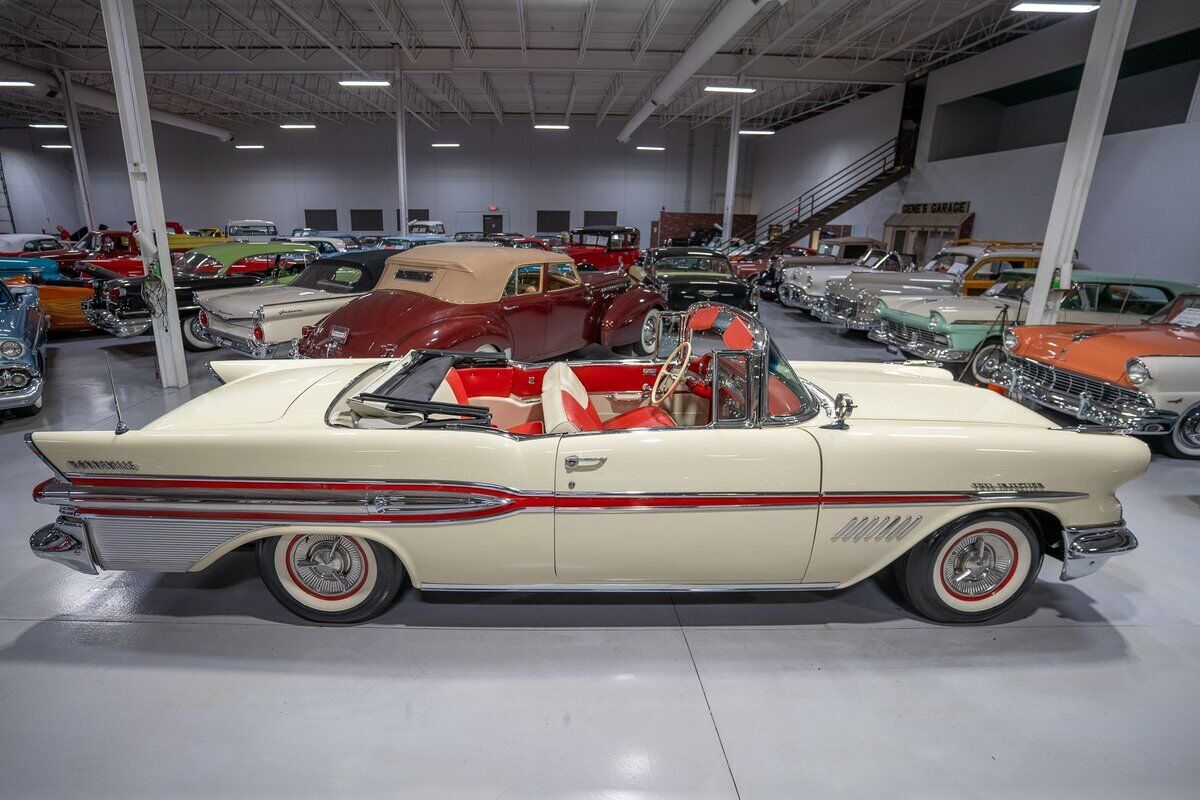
[{"x": 145, "y": 685}]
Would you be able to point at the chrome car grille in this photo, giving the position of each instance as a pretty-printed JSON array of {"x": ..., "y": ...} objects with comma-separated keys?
[
  {"x": 910, "y": 333},
  {"x": 1074, "y": 384},
  {"x": 842, "y": 306}
]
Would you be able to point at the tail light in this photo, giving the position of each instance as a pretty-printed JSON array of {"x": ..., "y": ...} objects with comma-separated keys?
[
  {"x": 202, "y": 318},
  {"x": 258, "y": 333}
]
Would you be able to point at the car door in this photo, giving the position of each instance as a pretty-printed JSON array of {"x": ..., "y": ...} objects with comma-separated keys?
[
  {"x": 523, "y": 306},
  {"x": 708, "y": 505},
  {"x": 568, "y": 303}
]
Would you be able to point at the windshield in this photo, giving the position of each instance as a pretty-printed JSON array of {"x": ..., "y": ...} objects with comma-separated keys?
[
  {"x": 1184, "y": 312},
  {"x": 252, "y": 230},
  {"x": 949, "y": 263},
  {"x": 1015, "y": 289},
  {"x": 787, "y": 395},
  {"x": 684, "y": 265},
  {"x": 590, "y": 239},
  {"x": 196, "y": 263},
  {"x": 336, "y": 278},
  {"x": 351, "y": 241}
]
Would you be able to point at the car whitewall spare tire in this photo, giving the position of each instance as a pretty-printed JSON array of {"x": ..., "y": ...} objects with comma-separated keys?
[
  {"x": 329, "y": 578},
  {"x": 973, "y": 569}
]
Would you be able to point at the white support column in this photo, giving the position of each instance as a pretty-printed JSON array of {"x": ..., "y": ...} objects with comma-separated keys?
[
  {"x": 83, "y": 181},
  {"x": 735, "y": 120},
  {"x": 133, "y": 110},
  {"x": 1079, "y": 159},
  {"x": 401, "y": 155}
]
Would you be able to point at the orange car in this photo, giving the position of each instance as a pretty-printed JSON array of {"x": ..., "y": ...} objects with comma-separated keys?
[
  {"x": 61, "y": 301},
  {"x": 1143, "y": 378}
]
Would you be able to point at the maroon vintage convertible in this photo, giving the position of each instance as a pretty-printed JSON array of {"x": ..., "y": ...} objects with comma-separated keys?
[{"x": 532, "y": 304}]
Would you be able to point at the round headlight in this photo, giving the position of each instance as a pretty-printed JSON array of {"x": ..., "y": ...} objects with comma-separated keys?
[
  {"x": 11, "y": 349},
  {"x": 936, "y": 321},
  {"x": 18, "y": 380},
  {"x": 1009, "y": 338},
  {"x": 880, "y": 306},
  {"x": 1137, "y": 372}
]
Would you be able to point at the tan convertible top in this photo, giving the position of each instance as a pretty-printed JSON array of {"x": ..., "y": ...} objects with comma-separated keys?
[{"x": 460, "y": 273}]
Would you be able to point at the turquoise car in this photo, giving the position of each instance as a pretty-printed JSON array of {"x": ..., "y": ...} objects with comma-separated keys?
[
  {"x": 44, "y": 268},
  {"x": 23, "y": 327},
  {"x": 966, "y": 331}
]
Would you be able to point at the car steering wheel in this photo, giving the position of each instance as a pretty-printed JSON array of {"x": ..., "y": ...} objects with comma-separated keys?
[{"x": 672, "y": 372}]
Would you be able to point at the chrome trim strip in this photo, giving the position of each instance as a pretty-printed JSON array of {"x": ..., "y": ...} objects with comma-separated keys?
[{"x": 630, "y": 587}]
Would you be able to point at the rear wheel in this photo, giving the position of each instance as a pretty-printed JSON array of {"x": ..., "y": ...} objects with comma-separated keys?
[
  {"x": 330, "y": 578},
  {"x": 190, "y": 328},
  {"x": 647, "y": 341},
  {"x": 1184, "y": 439},
  {"x": 972, "y": 569}
]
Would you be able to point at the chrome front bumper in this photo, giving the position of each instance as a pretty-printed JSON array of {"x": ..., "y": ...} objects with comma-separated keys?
[
  {"x": 25, "y": 396},
  {"x": 246, "y": 346},
  {"x": 825, "y": 312},
  {"x": 1086, "y": 549},
  {"x": 65, "y": 541},
  {"x": 121, "y": 327},
  {"x": 926, "y": 350},
  {"x": 794, "y": 297},
  {"x": 1136, "y": 418}
]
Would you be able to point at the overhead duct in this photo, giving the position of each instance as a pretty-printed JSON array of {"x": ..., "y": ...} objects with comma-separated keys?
[
  {"x": 728, "y": 21},
  {"x": 106, "y": 101}
]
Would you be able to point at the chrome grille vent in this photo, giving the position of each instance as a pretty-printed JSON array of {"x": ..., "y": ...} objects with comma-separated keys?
[
  {"x": 842, "y": 305},
  {"x": 1076, "y": 385},
  {"x": 876, "y": 529},
  {"x": 909, "y": 333}
]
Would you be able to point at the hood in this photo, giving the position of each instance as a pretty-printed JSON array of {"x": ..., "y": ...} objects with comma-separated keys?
[
  {"x": 955, "y": 309},
  {"x": 575, "y": 251},
  {"x": 693, "y": 285},
  {"x": 377, "y": 319},
  {"x": 1102, "y": 350},
  {"x": 890, "y": 283},
  {"x": 244, "y": 302},
  {"x": 130, "y": 266},
  {"x": 915, "y": 394},
  {"x": 12, "y": 316},
  {"x": 818, "y": 274}
]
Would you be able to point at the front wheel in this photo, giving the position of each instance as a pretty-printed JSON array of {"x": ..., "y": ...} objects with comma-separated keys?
[
  {"x": 973, "y": 569},
  {"x": 1184, "y": 439},
  {"x": 986, "y": 365},
  {"x": 189, "y": 327},
  {"x": 329, "y": 578}
]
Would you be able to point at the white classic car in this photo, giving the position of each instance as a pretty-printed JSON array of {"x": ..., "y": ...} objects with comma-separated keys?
[
  {"x": 803, "y": 286},
  {"x": 262, "y": 321},
  {"x": 734, "y": 469}
]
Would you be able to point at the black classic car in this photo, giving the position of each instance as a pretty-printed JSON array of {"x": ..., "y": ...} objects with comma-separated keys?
[
  {"x": 686, "y": 275},
  {"x": 119, "y": 307}
]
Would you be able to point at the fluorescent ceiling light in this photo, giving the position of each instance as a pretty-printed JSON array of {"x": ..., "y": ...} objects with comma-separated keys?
[
  {"x": 297, "y": 126},
  {"x": 731, "y": 89},
  {"x": 15, "y": 84},
  {"x": 56, "y": 146},
  {"x": 444, "y": 144},
  {"x": 650, "y": 147},
  {"x": 751, "y": 132},
  {"x": 248, "y": 147},
  {"x": 1057, "y": 8},
  {"x": 50, "y": 126},
  {"x": 547, "y": 127},
  {"x": 361, "y": 82}
]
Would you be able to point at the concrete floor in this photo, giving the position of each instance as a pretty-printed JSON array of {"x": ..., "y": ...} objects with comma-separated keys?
[{"x": 134, "y": 685}]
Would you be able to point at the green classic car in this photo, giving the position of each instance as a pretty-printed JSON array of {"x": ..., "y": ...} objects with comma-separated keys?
[{"x": 966, "y": 330}]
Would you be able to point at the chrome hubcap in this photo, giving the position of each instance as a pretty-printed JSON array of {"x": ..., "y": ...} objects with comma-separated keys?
[
  {"x": 327, "y": 565},
  {"x": 650, "y": 333},
  {"x": 1189, "y": 428},
  {"x": 977, "y": 564},
  {"x": 987, "y": 364}
]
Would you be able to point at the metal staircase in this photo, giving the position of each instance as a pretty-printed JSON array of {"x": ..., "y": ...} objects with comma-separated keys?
[
  {"x": 6, "y": 216},
  {"x": 867, "y": 175}
]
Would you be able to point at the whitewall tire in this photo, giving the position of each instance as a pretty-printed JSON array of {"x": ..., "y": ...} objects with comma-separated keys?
[
  {"x": 189, "y": 329},
  {"x": 986, "y": 364},
  {"x": 330, "y": 578},
  {"x": 973, "y": 569},
  {"x": 647, "y": 341},
  {"x": 1183, "y": 441}
]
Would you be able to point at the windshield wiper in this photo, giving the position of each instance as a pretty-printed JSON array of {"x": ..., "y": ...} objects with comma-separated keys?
[{"x": 467, "y": 415}]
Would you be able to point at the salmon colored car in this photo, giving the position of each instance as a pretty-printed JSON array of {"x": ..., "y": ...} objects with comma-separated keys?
[{"x": 1144, "y": 378}]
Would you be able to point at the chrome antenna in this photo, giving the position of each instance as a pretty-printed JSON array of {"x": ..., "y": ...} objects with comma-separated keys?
[{"x": 121, "y": 426}]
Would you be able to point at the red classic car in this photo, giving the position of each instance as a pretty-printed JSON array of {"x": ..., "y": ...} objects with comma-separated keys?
[
  {"x": 602, "y": 247},
  {"x": 533, "y": 304},
  {"x": 523, "y": 243},
  {"x": 119, "y": 254},
  {"x": 96, "y": 245},
  {"x": 29, "y": 245}
]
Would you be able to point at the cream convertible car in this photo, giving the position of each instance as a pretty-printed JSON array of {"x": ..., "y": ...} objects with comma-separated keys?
[{"x": 721, "y": 466}]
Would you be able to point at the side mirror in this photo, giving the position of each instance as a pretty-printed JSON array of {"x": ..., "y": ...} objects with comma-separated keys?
[{"x": 843, "y": 407}]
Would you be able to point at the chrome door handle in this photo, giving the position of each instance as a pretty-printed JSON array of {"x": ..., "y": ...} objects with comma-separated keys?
[{"x": 576, "y": 462}]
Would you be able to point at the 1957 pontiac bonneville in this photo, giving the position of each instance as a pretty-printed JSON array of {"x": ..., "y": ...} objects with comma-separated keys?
[{"x": 719, "y": 466}]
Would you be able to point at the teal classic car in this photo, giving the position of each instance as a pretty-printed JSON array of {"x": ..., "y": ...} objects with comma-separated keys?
[
  {"x": 966, "y": 330},
  {"x": 23, "y": 327}
]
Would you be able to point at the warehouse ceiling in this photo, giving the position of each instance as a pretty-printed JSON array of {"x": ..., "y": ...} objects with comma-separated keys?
[{"x": 241, "y": 61}]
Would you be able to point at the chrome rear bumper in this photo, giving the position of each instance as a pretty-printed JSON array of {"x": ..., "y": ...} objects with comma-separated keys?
[
  {"x": 246, "y": 346},
  {"x": 65, "y": 541},
  {"x": 121, "y": 327},
  {"x": 1086, "y": 549}
]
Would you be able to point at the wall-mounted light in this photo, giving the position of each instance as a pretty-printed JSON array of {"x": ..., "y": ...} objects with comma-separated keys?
[
  {"x": 753, "y": 132},
  {"x": 363, "y": 82},
  {"x": 248, "y": 147},
  {"x": 731, "y": 89},
  {"x": 549, "y": 127},
  {"x": 444, "y": 144},
  {"x": 15, "y": 84},
  {"x": 1057, "y": 8},
  {"x": 298, "y": 126},
  {"x": 48, "y": 126},
  {"x": 652, "y": 147},
  {"x": 56, "y": 147}
]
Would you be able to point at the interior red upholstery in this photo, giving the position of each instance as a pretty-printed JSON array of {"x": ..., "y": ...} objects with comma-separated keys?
[
  {"x": 567, "y": 407},
  {"x": 644, "y": 417},
  {"x": 737, "y": 336},
  {"x": 533, "y": 427},
  {"x": 455, "y": 382},
  {"x": 582, "y": 417}
]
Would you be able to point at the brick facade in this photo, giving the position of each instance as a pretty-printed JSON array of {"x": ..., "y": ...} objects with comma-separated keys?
[{"x": 678, "y": 223}]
